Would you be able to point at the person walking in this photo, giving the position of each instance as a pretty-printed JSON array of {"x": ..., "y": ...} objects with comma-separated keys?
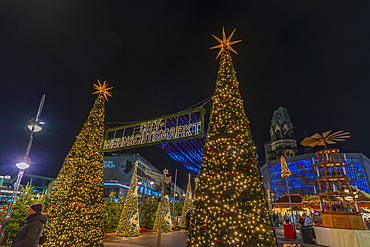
[
  {"x": 280, "y": 219},
  {"x": 307, "y": 220},
  {"x": 29, "y": 234},
  {"x": 274, "y": 219},
  {"x": 188, "y": 214},
  {"x": 286, "y": 218}
]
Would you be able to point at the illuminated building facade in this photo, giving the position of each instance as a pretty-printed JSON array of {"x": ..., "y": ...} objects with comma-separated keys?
[
  {"x": 118, "y": 171},
  {"x": 303, "y": 179}
]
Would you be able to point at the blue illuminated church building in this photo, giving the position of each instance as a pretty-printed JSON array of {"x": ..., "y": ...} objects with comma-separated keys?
[{"x": 303, "y": 179}]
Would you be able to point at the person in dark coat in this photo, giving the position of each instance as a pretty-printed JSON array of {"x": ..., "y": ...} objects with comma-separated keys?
[
  {"x": 187, "y": 219},
  {"x": 29, "y": 234}
]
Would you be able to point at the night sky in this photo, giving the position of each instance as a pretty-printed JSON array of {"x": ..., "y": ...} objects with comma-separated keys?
[{"x": 312, "y": 57}]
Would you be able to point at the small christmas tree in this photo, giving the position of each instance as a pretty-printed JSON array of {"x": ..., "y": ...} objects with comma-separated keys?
[
  {"x": 187, "y": 204},
  {"x": 129, "y": 225},
  {"x": 75, "y": 206},
  {"x": 285, "y": 172},
  {"x": 230, "y": 205},
  {"x": 166, "y": 225},
  {"x": 25, "y": 199},
  {"x": 111, "y": 213},
  {"x": 148, "y": 213}
]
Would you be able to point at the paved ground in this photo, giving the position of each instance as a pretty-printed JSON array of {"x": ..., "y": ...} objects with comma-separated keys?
[{"x": 178, "y": 239}]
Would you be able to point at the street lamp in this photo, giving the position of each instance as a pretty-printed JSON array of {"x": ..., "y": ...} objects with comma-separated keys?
[{"x": 34, "y": 125}]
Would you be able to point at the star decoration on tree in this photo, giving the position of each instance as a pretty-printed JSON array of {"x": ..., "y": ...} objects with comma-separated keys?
[
  {"x": 196, "y": 180},
  {"x": 102, "y": 89},
  {"x": 165, "y": 171},
  {"x": 225, "y": 44}
]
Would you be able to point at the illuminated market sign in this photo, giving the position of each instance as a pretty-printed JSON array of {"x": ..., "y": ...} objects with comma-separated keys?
[{"x": 175, "y": 127}]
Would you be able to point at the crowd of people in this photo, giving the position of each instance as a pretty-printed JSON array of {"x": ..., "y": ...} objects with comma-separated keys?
[{"x": 304, "y": 219}]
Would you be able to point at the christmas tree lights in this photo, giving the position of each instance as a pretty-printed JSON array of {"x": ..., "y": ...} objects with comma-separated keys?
[
  {"x": 230, "y": 204},
  {"x": 187, "y": 204},
  {"x": 166, "y": 225},
  {"x": 129, "y": 226},
  {"x": 75, "y": 206},
  {"x": 285, "y": 172}
]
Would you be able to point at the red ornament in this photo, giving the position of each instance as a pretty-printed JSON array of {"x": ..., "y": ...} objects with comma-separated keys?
[
  {"x": 222, "y": 96},
  {"x": 77, "y": 189},
  {"x": 205, "y": 155},
  {"x": 215, "y": 174},
  {"x": 211, "y": 151},
  {"x": 228, "y": 103},
  {"x": 195, "y": 191},
  {"x": 231, "y": 174},
  {"x": 79, "y": 206},
  {"x": 204, "y": 177},
  {"x": 88, "y": 186},
  {"x": 94, "y": 177},
  {"x": 205, "y": 227},
  {"x": 218, "y": 241},
  {"x": 66, "y": 172},
  {"x": 225, "y": 213},
  {"x": 245, "y": 168},
  {"x": 237, "y": 139},
  {"x": 224, "y": 149},
  {"x": 67, "y": 183},
  {"x": 244, "y": 244},
  {"x": 97, "y": 191},
  {"x": 56, "y": 185},
  {"x": 215, "y": 114},
  {"x": 215, "y": 123},
  {"x": 218, "y": 106},
  {"x": 53, "y": 206},
  {"x": 74, "y": 205},
  {"x": 216, "y": 195},
  {"x": 234, "y": 121},
  {"x": 232, "y": 84}
]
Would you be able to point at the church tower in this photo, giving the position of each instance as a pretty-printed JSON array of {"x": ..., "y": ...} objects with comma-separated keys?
[{"x": 282, "y": 136}]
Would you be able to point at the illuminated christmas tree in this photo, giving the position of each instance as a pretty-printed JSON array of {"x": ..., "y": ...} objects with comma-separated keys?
[
  {"x": 285, "y": 172},
  {"x": 166, "y": 224},
  {"x": 75, "y": 206},
  {"x": 129, "y": 225},
  {"x": 230, "y": 205},
  {"x": 187, "y": 204}
]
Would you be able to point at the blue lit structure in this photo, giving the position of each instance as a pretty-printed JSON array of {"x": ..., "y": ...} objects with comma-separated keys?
[
  {"x": 188, "y": 152},
  {"x": 303, "y": 178}
]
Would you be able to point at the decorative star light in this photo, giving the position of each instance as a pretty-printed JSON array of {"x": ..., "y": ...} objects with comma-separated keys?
[
  {"x": 225, "y": 44},
  {"x": 196, "y": 180},
  {"x": 102, "y": 89},
  {"x": 165, "y": 171}
]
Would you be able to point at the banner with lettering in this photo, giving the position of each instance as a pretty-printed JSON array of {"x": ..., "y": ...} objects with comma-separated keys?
[{"x": 175, "y": 127}]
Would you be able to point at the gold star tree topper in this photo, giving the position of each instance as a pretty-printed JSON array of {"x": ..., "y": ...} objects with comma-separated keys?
[
  {"x": 102, "y": 89},
  {"x": 225, "y": 43}
]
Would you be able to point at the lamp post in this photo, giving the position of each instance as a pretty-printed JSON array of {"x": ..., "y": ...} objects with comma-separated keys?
[{"x": 34, "y": 125}]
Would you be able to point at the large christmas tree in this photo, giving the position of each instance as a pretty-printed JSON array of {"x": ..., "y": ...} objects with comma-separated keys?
[
  {"x": 230, "y": 207},
  {"x": 75, "y": 206},
  {"x": 166, "y": 223},
  {"x": 128, "y": 225},
  {"x": 187, "y": 204}
]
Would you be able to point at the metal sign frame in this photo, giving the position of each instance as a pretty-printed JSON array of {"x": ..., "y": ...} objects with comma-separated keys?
[{"x": 154, "y": 131}]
